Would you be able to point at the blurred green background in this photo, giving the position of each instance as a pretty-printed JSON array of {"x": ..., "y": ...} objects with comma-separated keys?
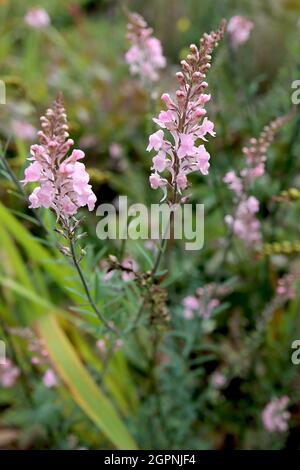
[{"x": 144, "y": 401}]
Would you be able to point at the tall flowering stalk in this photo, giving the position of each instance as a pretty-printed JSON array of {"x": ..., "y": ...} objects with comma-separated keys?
[
  {"x": 184, "y": 122},
  {"x": 63, "y": 184},
  {"x": 145, "y": 55},
  {"x": 179, "y": 143},
  {"x": 244, "y": 223},
  {"x": 63, "y": 180}
]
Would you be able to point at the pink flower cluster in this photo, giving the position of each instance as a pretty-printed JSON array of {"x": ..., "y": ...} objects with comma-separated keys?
[
  {"x": 63, "y": 181},
  {"x": 23, "y": 130},
  {"x": 244, "y": 224},
  {"x": 203, "y": 303},
  {"x": 38, "y": 352},
  {"x": 9, "y": 374},
  {"x": 145, "y": 56},
  {"x": 239, "y": 29},
  {"x": 275, "y": 415},
  {"x": 185, "y": 122},
  {"x": 37, "y": 18},
  {"x": 286, "y": 287}
]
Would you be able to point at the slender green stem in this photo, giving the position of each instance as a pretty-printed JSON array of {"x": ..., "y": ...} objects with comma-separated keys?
[{"x": 86, "y": 288}]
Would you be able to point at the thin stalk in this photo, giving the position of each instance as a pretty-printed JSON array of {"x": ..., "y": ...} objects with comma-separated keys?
[{"x": 86, "y": 288}]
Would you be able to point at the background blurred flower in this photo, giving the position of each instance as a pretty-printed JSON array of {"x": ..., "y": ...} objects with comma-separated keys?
[
  {"x": 50, "y": 379},
  {"x": 239, "y": 29},
  {"x": 145, "y": 56},
  {"x": 275, "y": 415},
  {"x": 24, "y": 130},
  {"x": 63, "y": 179},
  {"x": 37, "y": 18},
  {"x": 9, "y": 374},
  {"x": 183, "y": 121}
]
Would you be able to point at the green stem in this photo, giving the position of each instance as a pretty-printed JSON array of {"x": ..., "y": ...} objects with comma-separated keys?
[{"x": 86, "y": 288}]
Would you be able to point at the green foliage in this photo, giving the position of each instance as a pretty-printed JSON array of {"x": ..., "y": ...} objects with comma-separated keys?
[{"x": 156, "y": 390}]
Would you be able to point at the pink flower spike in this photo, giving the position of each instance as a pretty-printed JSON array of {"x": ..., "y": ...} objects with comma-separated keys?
[
  {"x": 184, "y": 119},
  {"x": 145, "y": 55},
  {"x": 63, "y": 180}
]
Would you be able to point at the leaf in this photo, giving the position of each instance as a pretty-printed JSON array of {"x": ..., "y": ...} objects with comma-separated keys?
[
  {"x": 25, "y": 292},
  {"x": 81, "y": 386}
]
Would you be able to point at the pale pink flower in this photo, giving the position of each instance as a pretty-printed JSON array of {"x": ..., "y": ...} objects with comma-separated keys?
[
  {"x": 37, "y": 18},
  {"x": 156, "y": 141},
  {"x": 145, "y": 56},
  {"x": 207, "y": 127},
  {"x": 191, "y": 302},
  {"x": 275, "y": 416},
  {"x": 239, "y": 29},
  {"x": 63, "y": 181},
  {"x": 132, "y": 266},
  {"x": 184, "y": 120},
  {"x": 218, "y": 380},
  {"x": 188, "y": 314},
  {"x": 186, "y": 146},
  {"x": 204, "y": 303},
  {"x": 118, "y": 344},
  {"x": 156, "y": 181},
  {"x": 181, "y": 181},
  {"x": 50, "y": 379},
  {"x": 115, "y": 150},
  {"x": 159, "y": 162},
  {"x": 234, "y": 182},
  {"x": 9, "y": 374},
  {"x": 101, "y": 345},
  {"x": 286, "y": 287}
]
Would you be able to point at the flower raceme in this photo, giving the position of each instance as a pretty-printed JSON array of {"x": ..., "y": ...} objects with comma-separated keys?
[
  {"x": 184, "y": 122},
  {"x": 145, "y": 56},
  {"x": 63, "y": 181},
  {"x": 244, "y": 223}
]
